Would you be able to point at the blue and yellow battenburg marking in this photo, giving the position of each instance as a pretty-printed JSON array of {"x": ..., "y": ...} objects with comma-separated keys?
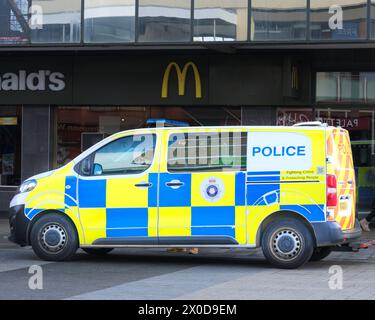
[
  {"x": 230, "y": 204},
  {"x": 266, "y": 188},
  {"x": 267, "y": 193},
  {"x": 117, "y": 208},
  {"x": 104, "y": 206}
]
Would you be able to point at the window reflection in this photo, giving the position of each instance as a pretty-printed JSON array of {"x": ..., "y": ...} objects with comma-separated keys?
[
  {"x": 113, "y": 21},
  {"x": 338, "y": 19},
  {"x": 372, "y": 19},
  {"x": 220, "y": 20},
  {"x": 127, "y": 155},
  {"x": 327, "y": 86},
  {"x": 343, "y": 87},
  {"x": 56, "y": 21},
  {"x": 164, "y": 20},
  {"x": 109, "y": 20},
  {"x": 14, "y": 28},
  {"x": 278, "y": 20}
]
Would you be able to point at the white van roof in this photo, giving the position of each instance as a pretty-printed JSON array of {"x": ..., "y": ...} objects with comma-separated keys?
[{"x": 311, "y": 124}]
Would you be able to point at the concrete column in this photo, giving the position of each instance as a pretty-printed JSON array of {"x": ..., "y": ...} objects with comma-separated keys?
[{"x": 36, "y": 140}]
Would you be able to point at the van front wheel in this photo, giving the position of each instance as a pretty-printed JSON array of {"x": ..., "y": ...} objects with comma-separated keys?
[
  {"x": 54, "y": 238},
  {"x": 287, "y": 243}
]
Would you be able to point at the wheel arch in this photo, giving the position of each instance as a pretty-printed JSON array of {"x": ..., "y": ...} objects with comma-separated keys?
[
  {"x": 50, "y": 211},
  {"x": 283, "y": 214}
]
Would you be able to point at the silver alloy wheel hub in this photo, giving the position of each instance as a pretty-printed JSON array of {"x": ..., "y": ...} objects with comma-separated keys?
[
  {"x": 53, "y": 238},
  {"x": 286, "y": 244}
]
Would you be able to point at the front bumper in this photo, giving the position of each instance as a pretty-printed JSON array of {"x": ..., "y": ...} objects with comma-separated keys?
[
  {"x": 18, "y": 224},
  {"x": 329, "y": 233}
]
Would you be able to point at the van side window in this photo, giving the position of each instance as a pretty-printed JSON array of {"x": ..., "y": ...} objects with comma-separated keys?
[
  {"x": 127, "y": 155},
  {"x": 205, "y": 152}
]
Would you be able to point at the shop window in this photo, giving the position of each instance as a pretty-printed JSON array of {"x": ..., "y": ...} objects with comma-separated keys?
[
  {"x": 10, "y": 146},
  {"x": 78, "y": 128},
  {"x": 164, "y": 21},
  {"x": 278, "y": 20},
  {"x": 327, "y": 84},
  {"x": 338, "y": 20},
  {"x": 111, "y": 22},
  {"x": 207, "y": 152},
  {"x": 344, "y": 87},
  {"x": 352, "y": 87},
  {"x": 220, "y": 21},
  {"x": 370, "y": 87},
  {"x": 56, "y": 21}
]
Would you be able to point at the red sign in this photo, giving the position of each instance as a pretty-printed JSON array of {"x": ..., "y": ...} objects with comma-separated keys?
[{"x": 291, "y": 117}]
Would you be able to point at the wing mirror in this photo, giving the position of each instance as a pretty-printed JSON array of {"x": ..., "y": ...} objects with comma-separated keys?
[{"x": 98, "y": 169}]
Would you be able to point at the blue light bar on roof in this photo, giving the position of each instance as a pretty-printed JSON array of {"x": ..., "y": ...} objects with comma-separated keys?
[{"x": 155, "y": 122}]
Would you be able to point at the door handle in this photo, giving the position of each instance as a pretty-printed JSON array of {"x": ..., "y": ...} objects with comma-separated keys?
[
  {"x": 174, "y": 184},
  {"x": 143, "y": 184}
]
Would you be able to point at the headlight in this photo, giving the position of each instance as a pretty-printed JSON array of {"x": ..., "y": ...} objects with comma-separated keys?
[{"x": 28, "y": 186}]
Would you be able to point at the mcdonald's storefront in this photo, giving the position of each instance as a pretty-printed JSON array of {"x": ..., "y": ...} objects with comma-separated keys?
[{"x": 54, "y": 105}]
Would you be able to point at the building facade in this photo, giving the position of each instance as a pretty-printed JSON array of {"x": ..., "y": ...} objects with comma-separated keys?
[{"x": 75, "y": 71}]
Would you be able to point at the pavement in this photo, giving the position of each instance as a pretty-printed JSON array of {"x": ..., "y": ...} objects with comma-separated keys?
[{"x": 214, "y": 274}]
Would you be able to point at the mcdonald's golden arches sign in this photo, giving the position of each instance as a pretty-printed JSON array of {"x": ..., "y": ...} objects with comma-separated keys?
[{"x": 181, "y": 77}]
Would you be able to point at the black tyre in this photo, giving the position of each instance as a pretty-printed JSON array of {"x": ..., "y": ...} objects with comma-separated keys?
[
  {"x": 97, "y": 251},
  {"x": 54, "y": 238},
  {"x": 320, "y": 253},
  {"x": 287, "y": 243}
]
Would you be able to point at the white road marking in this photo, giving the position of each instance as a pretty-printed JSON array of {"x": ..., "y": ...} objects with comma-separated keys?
[{"x": 28, "y": 259}]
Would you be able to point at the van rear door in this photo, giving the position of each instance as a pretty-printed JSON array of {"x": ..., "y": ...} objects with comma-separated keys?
[{"x": 340, "y": 164}]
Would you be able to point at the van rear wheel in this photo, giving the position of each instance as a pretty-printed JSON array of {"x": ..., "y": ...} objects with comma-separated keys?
[
  {"x": 320, "y": 253},
  {"x": 287, "y": 243}
]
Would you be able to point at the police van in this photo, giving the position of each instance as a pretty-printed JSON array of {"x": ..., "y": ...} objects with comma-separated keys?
[{"x": 289, "y": 190}]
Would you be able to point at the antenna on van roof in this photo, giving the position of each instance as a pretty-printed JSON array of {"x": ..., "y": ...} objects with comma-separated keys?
[{"x": 311, "y": 124}]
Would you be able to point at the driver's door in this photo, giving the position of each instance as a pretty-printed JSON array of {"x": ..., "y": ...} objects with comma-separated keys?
[{"x": 118, "y": 189}]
